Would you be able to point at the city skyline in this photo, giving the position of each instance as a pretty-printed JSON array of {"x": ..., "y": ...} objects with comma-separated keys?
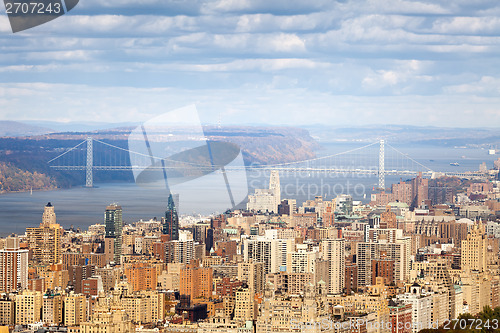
[
  {"x": 403, "y": 263},
  {"x": 338, "y": 62}
]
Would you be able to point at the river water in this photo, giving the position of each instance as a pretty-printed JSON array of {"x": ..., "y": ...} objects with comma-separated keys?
[{"x": 82, "y": 207}]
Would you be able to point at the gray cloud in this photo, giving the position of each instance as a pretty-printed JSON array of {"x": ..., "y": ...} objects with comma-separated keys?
[{"x": 271, "y": 60}]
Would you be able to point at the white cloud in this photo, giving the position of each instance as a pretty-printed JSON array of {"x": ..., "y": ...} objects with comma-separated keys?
[
  {"x": 467, "y": 25},
  {"x": 366, "y": 56},
  {"x": 486, "y": 85}
]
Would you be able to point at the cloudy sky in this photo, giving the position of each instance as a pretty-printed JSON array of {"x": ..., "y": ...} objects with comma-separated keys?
[{"x": 292, "y": 62}]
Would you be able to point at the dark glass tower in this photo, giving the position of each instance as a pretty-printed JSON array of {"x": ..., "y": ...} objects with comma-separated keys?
[
  {"x": 171, "y": 226},
  {"x": 114, "y": 225}
]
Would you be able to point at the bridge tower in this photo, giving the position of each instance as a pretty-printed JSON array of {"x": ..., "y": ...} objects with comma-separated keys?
[
  {"x": 381, "y": 165},
  {"x": 89, "y": 177}
]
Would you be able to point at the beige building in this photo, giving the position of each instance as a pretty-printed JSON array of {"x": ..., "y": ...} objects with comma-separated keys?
[
  {"x": 253, "y": 274},
  {"x": 7, "y": 310},
  {"x": 28, "y": 307},
  {"x": 245, "y": 307},
  {"x": 45, "y": 241},
  {"x": 363, "y": 303},
  {"x": 301, "y": 260},
  {"x": 293, "y": 313},
  {"x": 108, "y": 319},
  {"x": 474, "y": 250},
  {"x": 290, "y": 283},
  {"x": 75, "y": 309},
  {"x": 52, "y": 309},
  {"x": 333, "y": 250},
  {"x": 144, "y": 306},
  {"x": 476, "y": 287}
]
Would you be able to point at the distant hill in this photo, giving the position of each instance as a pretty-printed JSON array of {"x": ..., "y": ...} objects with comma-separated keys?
[
  {"x": 13, "y": 179},
  {"x": 439, "y": 136},
  {"x": 76, "y": 126},
  {"x": 14, "y": 129},
  {"x": 26, "y": 156}
]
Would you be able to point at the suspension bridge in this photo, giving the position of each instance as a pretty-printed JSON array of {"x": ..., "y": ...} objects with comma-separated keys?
[{"x": 375, "y": 159}]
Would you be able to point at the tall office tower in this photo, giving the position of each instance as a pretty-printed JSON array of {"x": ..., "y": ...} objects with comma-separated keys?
[
  {"x": 171, "y": 226},
  {"x": 474, "y": 250},
  {"x": 28, "y": 307},
  {"x": 113, "y": 239},
  {"x": 45, "y": 241},
  {"x": 275, "y": 188},
  {"x": 13, "y": 266},
  {"x": 333, "y": 250}
]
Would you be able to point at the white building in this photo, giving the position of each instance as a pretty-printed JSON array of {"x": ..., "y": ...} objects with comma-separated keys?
[
  {"x": 301, "y": 261},
  {"x": 266, "y": 199},
  {"x": 13, "y": 266},
  {"x": 421, "y": 304},
  {"x": 271, "y": 252},
  {"x": 493, "y": 229}
]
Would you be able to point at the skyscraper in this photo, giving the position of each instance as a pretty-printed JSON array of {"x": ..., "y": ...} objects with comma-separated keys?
[
  {"x": 13, "y": 266},
  {"x": 474, "y": 250},
  {"x": 275, "y": 188},
  {"x": 267, "y": 199},
  {"x": 334, "y": 251},
  {"x": 114, "y": 225},
  {"x": 45, "y": 241},
  {"x": 171, "y": 225}
]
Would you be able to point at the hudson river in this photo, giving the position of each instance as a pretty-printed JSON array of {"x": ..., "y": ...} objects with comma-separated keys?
[{"x": 82, "y": 207}]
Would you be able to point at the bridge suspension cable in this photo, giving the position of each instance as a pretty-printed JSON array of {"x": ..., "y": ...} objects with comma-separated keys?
[{"x": 367, "y": 160}]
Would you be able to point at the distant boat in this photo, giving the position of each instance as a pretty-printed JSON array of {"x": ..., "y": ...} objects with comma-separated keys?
[
  {"x": 454, "y": 164},
  {"x": 431, "y": 160}
]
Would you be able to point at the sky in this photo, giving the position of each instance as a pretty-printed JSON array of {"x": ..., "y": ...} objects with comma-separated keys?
[{"x": 280, "y": 62}]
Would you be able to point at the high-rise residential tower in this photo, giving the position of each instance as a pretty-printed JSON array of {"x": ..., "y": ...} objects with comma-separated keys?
[
  {"x": 275, "y": 188},
  {"x": 45, "y": 241},
  {"x": 334, "y": 251},
  {"x": 13, "y": 266}
]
